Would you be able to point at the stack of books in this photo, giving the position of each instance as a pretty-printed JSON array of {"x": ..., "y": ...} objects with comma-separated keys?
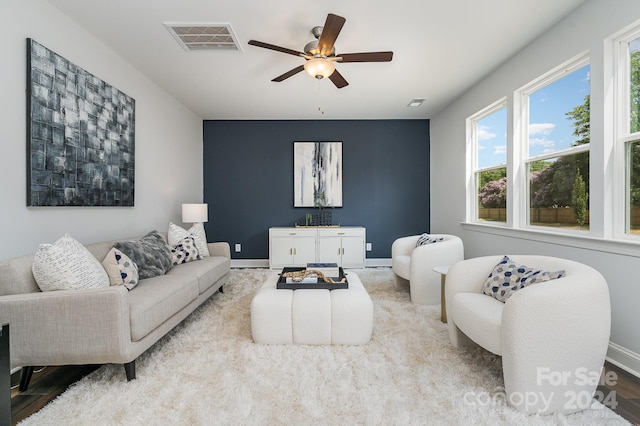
[{"x": 309, "y": 279}]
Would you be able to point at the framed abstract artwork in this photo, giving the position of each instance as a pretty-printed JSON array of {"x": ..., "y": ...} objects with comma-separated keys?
[
  {"x": 317, "y": 174},
  {"x": 80, "y": 135}
]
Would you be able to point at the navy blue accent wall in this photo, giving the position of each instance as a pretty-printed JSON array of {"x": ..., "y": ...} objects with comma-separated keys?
[{"x": 248, "y": 179}]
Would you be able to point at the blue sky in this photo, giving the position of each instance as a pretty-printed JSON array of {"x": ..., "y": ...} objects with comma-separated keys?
[{"x": 549, "y": 128}]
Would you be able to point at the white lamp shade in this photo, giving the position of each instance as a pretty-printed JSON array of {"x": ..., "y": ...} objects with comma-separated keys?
[
  {"x": 319, "y": 67},
  {"x": 193, "y": 213}
]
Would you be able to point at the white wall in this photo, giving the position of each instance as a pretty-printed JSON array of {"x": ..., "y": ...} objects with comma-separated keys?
[
  {"x": 168, "y": 169},
  {"x": 584, "y": 30}
]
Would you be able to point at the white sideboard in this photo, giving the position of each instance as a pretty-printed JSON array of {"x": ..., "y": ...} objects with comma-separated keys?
[{"x": 298, "y": 246}]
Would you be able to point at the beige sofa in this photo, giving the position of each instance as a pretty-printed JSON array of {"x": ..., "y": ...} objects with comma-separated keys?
[{"x": 101, "y": 325}]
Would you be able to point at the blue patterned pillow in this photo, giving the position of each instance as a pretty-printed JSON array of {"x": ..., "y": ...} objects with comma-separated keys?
[
  {"x": 428, "y": 239},
  {"x": 185, "y": 251},
  {"x": 508, "y": 277}
]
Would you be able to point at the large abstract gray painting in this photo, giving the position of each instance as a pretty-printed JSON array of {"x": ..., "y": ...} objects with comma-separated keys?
[
  {"x": 317, "y": 174},
  {"x": 80, "y": 135}
]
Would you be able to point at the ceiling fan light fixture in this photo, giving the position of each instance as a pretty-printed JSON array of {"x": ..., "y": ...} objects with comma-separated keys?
[{"x": 319, "y": 67}]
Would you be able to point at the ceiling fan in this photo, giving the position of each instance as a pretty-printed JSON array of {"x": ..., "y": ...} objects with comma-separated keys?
[{"x": 320, "y": 56}]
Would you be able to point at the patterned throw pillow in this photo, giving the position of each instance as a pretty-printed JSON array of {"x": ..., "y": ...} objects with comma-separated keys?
[
  {"x": 185, "y": 251},
  {"x": 428, "y": 239},
  {"x": 176, "y": 234},
  {"x": 67, "y": 265},
  {"x": 151, "y": 253},
  {"x": 508, "y": 277},
  {"x": 121, "y": 269}
]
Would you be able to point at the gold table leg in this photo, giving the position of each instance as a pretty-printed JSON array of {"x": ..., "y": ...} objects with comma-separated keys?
[{"x": 443, "y": 306}]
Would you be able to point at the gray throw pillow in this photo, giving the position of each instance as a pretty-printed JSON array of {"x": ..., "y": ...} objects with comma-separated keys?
[{"x": 151, "y": 253}]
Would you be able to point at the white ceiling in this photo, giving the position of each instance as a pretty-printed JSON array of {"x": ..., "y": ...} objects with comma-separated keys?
[{"x": 441, "y": 47}]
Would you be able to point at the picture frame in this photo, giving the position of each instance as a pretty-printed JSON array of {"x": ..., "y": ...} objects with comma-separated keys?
[
  {"x": 80, "y": 135},
  {"x": 317, "y": 174}
]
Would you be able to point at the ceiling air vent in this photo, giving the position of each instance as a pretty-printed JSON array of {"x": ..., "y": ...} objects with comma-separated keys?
[{"x": 203, "y": 36}]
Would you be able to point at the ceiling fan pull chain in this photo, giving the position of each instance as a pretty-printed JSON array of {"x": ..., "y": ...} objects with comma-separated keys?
[{"x": 320, "y": 99}]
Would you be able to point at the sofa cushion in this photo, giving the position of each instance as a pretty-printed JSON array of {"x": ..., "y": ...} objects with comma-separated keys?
[
  {"x": 154, "y": 300},
  {"x": 177, "y": 234},
  {"x": 185, "y": 251},
  {"x": 16, "y": 276},
  {"x": 151, "y": 253},
  {"x": 67, "y": 265},
  {"x": 121, "y": 269},
  {"x": 508, "y": 277},
  {"x": 207, "y": 271},
  {"x": 479, "y": 317}
]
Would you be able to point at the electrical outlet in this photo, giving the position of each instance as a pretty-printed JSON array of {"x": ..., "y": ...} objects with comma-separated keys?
[
  {"x": 238, "y": 248},
  {"x": 369, "y": 247}
]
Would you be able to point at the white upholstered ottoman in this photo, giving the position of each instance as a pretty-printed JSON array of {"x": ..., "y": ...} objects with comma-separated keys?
[{"x": 312, "y": 317}]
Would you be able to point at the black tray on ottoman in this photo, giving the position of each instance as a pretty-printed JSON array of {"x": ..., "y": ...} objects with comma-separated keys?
[{"x": 320, "y": 285}]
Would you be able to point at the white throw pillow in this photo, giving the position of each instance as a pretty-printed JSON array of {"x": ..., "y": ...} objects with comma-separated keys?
[
  {"x": 121, "y": 269},
  {"x": 176, "y": 234},
  {"x": 508, "y": 277},
  {"x": 67, "y": 265},
  {"x": 185, "y": 251},
  {"x": 428, "y": 239}
]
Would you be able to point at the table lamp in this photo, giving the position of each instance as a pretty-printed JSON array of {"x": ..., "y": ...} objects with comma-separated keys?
[{"x": 195, "y": 213}]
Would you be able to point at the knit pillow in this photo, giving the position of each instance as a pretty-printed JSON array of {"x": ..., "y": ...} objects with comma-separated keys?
[
  {"x": 428, "y": 239},
  {"x": 185, "y": 251},
  {"x": 67, "y": 265},
  {"x": 151, "y": 253},
  {"x": 121, "y": 269},
  {"x": 176, "y": 234},
  {"x": 508, "y": 277}
]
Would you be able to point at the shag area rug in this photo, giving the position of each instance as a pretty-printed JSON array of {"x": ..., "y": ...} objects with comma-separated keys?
[{"x": 208, "y": 371}]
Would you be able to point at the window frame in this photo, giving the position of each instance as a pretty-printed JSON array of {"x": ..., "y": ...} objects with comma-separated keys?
[
  {"x": 521, "y": 164},
  {"x": 623, "y": 137},
  {"x": 472, "y": 160}
]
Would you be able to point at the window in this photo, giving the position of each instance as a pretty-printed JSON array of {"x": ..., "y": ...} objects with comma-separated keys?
[
  {"x": 546, "y": 129},
  {"x": 556, "y": 158},
  {"x": 488, "y": 131},
  {"x": 629, "y": 131}
]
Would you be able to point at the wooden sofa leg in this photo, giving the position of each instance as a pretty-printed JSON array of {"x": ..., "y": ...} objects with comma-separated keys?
[
  {"x": 25, "y": 378},
  {"x": 130, "y": 370}
]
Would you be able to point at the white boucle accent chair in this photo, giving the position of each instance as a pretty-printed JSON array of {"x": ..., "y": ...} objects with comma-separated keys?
[
  {"x": 415, "y": 265},
  {"x": 552, "y": 336}
]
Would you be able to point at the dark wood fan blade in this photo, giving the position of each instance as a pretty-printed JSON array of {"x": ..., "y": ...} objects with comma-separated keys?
[
  {"x": 288, "y": 74},
  {"x": 366, "y": 57},
  {"x": 338, "y": 80},
  {"x": 274, "y": 47},
  {"x": 330, "y": 31}
]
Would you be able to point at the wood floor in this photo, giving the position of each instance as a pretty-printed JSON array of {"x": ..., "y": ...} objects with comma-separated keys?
[
  {"x": 46, "y": 384},
  {"x": 620, "y": 390}
]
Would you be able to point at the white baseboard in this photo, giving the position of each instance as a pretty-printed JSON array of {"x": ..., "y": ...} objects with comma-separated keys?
[
  {"x": 624, "y": 358},
  {"x": 264, "y": 263},
  {"x": 377, "y": 263},
  {"x": 249, "y": 263}
]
